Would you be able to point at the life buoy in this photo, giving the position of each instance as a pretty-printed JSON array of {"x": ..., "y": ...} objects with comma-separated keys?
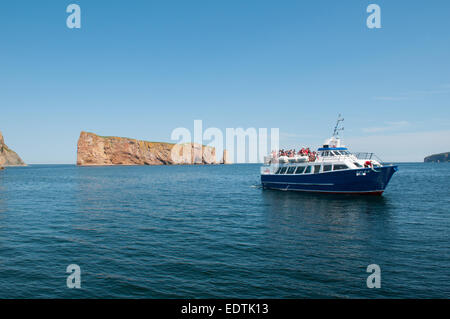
[{"x": 368, "y": 164}]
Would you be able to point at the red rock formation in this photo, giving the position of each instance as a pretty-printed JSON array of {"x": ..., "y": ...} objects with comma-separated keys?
[
  {"x": 7, "y": 156},
  {"x": 99, "y": 150}
]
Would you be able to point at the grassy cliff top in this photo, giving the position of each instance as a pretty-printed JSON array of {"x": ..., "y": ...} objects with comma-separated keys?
[{"x": 150, "y": 143}]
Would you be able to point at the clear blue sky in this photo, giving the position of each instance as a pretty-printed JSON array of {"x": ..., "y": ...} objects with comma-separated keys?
[{"x": 142, "y": 68}]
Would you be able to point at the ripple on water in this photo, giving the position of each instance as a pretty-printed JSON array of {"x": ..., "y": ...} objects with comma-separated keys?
[{"x": 211, "y": 231}]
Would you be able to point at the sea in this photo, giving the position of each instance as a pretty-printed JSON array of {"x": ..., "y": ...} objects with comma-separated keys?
[{"x": 212, "y": 232}]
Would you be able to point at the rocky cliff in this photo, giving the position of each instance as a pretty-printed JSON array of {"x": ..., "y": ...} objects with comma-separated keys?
[
  {"x": 7, "y": 156},
  {"x": 438, "y": 158},
  {"x": 107, "y": 150}
]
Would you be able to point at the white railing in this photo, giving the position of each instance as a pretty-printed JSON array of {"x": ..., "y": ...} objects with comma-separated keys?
[
  {"x": 271, "y": 166},
  {"x": 321, "y": 159},
  {"x": 367, "y": 156},
  {"x": 269, "y": 169}
]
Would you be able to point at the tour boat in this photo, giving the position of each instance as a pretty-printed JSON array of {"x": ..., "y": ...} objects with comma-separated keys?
[{"x": 334, "y": 169}]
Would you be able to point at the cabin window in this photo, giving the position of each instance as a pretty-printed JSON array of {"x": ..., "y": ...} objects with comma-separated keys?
[
  {"x": 283, "y": 170},
  {"x": 291, "y": 170},
  {"x": 357, "y": 164},
  {"x": 326, "y": 168},
  {"x": 316, "y": 169},
  {"x": 338, "y": 167},
  {"x": 308, "y": 170},
  {"x": 300, "y": 170},
  {"x": 278, "y": 170}
]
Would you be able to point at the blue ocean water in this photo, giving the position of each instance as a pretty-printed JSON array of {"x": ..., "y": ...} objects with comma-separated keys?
[{"x": 209, "y": 232}]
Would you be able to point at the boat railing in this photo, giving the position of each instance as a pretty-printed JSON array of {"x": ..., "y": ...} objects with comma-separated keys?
[
  {"x": 317, "y": 159},
  {"x": 268, "y": 169},
  {"x": 365, "y": 156},
  {"x": 330, "y": 158}
]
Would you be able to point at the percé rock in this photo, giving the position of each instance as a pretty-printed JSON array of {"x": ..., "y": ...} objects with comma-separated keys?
[
  {"x": 438, "y": 158},
  {"x": 100, "y": 150},
  {"x": 7, "y": 156}
]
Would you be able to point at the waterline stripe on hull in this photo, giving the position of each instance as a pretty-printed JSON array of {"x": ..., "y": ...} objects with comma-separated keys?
[
  {"x": 289, "y": 183},
  {"x": 376, "y": 192}
]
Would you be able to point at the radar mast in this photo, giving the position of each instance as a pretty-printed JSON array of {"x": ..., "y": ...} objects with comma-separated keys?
[{"x": 337, "y": 129}]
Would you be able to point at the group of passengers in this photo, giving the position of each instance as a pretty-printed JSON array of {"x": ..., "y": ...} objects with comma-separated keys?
[{"x": 292, "y": 153}]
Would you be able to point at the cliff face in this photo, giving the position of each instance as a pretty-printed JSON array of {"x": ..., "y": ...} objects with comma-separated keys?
[
  {"x": 438, "y": 158},
  {"x": 99, "y": 150},
  {"x": 7, "y": 156}
]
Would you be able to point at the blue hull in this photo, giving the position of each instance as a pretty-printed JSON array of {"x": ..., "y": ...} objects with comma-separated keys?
[{"x": 354, "y": 181}]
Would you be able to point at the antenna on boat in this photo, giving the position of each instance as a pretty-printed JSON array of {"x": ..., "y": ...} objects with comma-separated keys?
[{"x": 337, "y": 129}]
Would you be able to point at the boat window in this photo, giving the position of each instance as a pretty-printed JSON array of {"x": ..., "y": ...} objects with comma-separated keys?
[
  {"x": 308, "y": 170},
  {"x": 300, "y": 170},
  {"x": 325, "y": 153},
  {"x": 316, "y": 169},
  {"x": 291, "y": 170},
  {"x": 339, "y": 167},
  {"x": 283, "y": 170},
  {"x": 357, "y": 164},
  {"x": 278, "y": 170},
  {"x": 326, "y": 168},
  {"x": 337, "y": 153}
]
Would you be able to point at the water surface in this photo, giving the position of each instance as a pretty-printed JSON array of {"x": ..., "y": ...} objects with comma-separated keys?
[{"x": 208, "y": 232}]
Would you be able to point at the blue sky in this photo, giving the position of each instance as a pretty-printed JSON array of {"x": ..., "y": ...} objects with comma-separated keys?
[{"x": 142, "y": 68}]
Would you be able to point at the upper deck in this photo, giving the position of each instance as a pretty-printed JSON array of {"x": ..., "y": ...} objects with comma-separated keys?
[
  {"x": 327, "y": 159},
  {"x": 332, "y": 155}
]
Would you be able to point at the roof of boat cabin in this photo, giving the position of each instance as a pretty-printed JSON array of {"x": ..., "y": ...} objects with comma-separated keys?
[{"x": 332, "y": 149}]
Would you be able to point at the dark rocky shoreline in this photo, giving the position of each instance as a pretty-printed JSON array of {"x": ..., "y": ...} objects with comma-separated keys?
[{"x": 438, "y": 158}]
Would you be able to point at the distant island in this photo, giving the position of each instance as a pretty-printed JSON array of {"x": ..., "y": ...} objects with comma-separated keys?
[
  {"x": 437, "y": 158},
  {"x": 96, "y": 150},
  {"x": 7, "y": 156}
]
